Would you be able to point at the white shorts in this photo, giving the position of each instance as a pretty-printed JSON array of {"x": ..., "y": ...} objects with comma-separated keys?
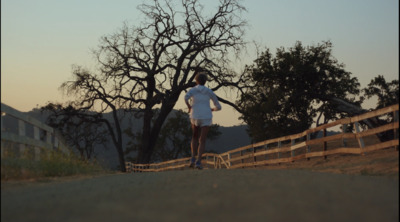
[{"x": 201, "y": 122}]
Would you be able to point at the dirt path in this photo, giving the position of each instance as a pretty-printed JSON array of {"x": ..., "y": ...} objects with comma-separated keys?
[{"x": 207, "y": 195}]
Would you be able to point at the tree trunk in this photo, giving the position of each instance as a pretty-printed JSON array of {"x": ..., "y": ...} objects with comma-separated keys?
[
  {"x": 121, "y": 158},
  {"x": 150, "y": 134},
  {"x": 143, "y": 154},
  {"x": 117, "y": 139}
]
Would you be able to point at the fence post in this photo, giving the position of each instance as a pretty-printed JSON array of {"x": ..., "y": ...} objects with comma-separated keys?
[
  {"x": 241, "y": 155},
  {"x": 2, "y": 129},
  {"x": 308, "y": 148},
  {"x": 279, "y": 146},
  {"x": 214, "y": 161},
  {"x": 292, "y": 152},
  {"x": 21, "y": 132},
  {"x": 266, "y": 148},
  {"x": 254, "y": 157},
  {"x": 229, "y": 159},
  {"x": 56, "y": 146},
  {"x": 48, "y": 138},
  {"x": 359, "y": 138},
  {"x": 395, "y": 130},
  {"x": 126, "y": 166},
  {"x": 344, "y": 130},
  {"x": 36, "y": 136},
  {"x": 325, "y": 144}
]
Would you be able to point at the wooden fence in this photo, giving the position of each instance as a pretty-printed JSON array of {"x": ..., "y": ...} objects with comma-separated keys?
[
  {"x": 301, "y": 146},
  {"x": 44, "y": 136}
]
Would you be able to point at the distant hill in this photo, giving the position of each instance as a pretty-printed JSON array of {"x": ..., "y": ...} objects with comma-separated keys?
[{"x": 231, "y": 137}]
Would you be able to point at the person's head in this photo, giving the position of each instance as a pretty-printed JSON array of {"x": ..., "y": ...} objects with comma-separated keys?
[{"x": 201, "y": 78}]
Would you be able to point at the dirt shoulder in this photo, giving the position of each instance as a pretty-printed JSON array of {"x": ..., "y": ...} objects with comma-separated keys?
[{"x": 45, "y": 180}]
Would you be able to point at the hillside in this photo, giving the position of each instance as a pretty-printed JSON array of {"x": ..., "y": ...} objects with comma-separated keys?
[{"x": 230, "y": 138}]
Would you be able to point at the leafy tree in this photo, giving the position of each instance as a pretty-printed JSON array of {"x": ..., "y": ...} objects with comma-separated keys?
[
  {"x": 387, "y": 92},
  {"x": 149, "y": 66},
  {"x": 293, "y": 88},
  {"x": 174, "y": 139}
]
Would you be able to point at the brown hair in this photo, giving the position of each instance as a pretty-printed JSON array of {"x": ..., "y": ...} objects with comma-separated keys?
[{"x": 201, "y": 78}]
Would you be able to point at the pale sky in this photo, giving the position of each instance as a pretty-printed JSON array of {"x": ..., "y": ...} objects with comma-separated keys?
[{"x": 42, "y": 39}]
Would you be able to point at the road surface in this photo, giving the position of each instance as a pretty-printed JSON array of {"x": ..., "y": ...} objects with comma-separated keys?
[{"x": 205, "y": 195}]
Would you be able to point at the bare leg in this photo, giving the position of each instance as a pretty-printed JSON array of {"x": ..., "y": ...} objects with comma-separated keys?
[
  {"x": 202, "y": 141},
  {"x": 195, "y": 140}
]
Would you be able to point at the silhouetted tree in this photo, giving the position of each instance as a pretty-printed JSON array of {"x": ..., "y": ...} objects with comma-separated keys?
[
  {"x": 82, "y": 131},
  {"x": 387, "y": 92},
  {"x": 72, "y": 118},
  {"x": 149, "y": 66}
]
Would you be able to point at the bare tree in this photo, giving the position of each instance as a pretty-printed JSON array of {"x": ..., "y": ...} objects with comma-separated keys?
[
  {"x": 93, "y": 91},
  {"x": 149, "y": 66},
  {"x": 83, "y": 129},
  {"x": 79, "y": 133}
]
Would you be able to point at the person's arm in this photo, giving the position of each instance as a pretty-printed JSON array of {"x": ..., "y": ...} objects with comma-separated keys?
[
  {"x": 215, "y": 101},
  {"x": 187, "y": 97},
  {"x": 188, "y": 105}
]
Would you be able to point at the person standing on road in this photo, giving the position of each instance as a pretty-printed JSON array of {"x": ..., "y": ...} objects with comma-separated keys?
[{"x": 200, "y": 116}]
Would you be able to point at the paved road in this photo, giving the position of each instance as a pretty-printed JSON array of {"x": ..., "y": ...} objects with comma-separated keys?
[{"x": 207, "y": 195}]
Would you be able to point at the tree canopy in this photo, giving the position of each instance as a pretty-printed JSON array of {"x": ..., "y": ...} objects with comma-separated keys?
[
  {"x": 293, "y": 88},
  {"x": 386, "y": 92}
]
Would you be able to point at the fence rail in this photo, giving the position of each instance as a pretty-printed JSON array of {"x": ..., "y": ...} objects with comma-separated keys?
[
  {"x": 50, "y": 141},
  {"x": 297, "y": 146}
]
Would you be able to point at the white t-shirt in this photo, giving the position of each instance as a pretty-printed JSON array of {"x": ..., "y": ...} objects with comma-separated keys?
[{"x": 201, "y": 97}]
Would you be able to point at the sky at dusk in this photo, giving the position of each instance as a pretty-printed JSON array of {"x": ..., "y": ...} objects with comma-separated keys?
[{"x": 42, "y": 39}]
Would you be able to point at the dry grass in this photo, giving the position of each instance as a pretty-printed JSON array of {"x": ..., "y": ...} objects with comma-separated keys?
[
  {"x": 52, "y": 164},
  {"x": 378, "y": 163},
  {"x": 383, "y": 162}
]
